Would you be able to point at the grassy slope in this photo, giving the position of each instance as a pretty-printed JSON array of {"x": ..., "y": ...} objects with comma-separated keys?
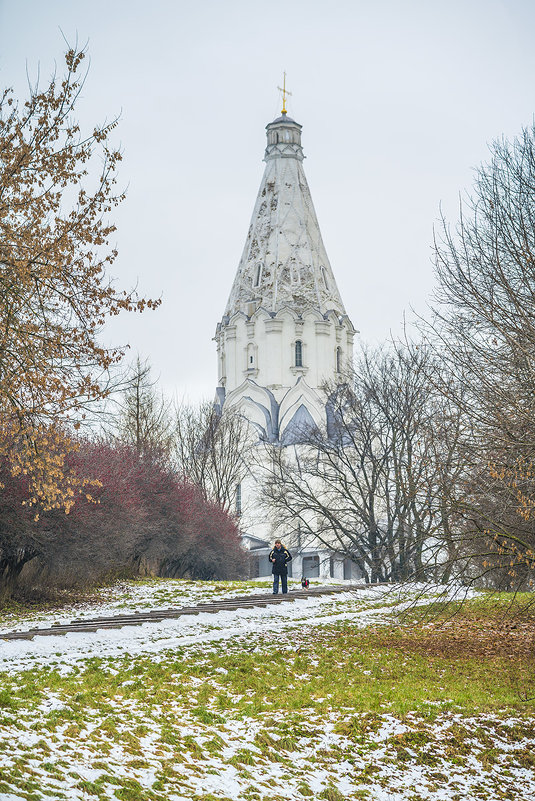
[{"x": 332, "y": 713}]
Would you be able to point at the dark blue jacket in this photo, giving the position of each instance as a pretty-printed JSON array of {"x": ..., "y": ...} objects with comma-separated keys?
[{"x": 282, "y": 557}]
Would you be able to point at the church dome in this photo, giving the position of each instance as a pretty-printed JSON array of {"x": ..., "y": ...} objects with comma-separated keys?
[
  {"x": 284, "y": 118},
  {"x": 283, "y": 139}
]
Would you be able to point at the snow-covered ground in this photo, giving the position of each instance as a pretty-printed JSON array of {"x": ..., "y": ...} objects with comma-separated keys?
[
  {"x": 157, "y": 637},
  {"x": 131, "y": 596},
  {"x": 186, "y": 710}
]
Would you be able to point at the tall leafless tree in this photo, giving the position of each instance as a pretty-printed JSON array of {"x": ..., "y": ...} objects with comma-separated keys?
[
  {"x": 483, "y": 328},
  {"x": 377, "y": 484},
  {"x": 142, "y": 415},
  {"x": 212, "y": 450}
]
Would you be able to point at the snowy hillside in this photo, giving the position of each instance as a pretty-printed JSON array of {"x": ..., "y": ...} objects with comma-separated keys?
[{"x": 316, "y": 699}]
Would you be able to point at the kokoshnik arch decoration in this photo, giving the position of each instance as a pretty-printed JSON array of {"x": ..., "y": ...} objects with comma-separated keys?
[{"x": 285, "y": 330}]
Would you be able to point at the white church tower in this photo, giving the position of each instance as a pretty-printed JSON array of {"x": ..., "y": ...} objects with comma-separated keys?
[{"x": 285, "y": 330}]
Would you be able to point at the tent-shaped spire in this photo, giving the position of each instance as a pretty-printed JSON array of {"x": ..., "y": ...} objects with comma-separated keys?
[{"x": 284, "y": 262}]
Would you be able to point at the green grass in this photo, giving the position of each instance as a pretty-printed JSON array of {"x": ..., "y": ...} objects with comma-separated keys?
[
  {"x": 488, "y": 605},
  {"x": 335, "y": 667},
  {"x": 252, "y": 703}
]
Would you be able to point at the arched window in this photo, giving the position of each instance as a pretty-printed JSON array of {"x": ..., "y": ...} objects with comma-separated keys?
[
  {"x": 338, "y": 360},
  {"x": 251, "y": 356},
  {"x": 324, "y": 276},
  {"x": 258, "y": 275},
  {"x": 298, "y": 353}
]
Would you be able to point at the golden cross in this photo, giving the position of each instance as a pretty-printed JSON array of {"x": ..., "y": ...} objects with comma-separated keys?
[{"x": 284, "y": 93}]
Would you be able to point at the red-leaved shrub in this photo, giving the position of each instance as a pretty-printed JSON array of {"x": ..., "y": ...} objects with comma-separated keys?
[{"x": 138, "y": 519}]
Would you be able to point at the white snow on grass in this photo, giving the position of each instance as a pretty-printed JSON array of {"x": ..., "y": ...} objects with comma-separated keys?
[
  {"x": 128, "y": 597},
  {"x": 143, "y": 735},
  {"x": 63, "y": 651}
]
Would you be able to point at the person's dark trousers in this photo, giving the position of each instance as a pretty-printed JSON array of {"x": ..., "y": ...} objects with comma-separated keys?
[{"x": 284, "y": 580}]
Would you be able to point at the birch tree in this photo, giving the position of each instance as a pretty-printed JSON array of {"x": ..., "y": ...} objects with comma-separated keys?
[{"x": 212, "y": 450}]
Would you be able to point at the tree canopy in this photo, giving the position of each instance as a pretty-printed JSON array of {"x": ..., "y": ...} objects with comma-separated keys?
[{"x": 58, "y": 186}]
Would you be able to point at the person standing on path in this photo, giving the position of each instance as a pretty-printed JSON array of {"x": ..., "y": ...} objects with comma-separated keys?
[{"x": 280, "y": 556}]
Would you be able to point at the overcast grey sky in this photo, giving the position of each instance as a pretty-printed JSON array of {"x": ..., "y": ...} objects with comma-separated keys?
[{"x": 398, "y": 101}]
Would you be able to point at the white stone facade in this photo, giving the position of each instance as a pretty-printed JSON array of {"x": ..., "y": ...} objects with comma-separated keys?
[
  {"x": 284, "y": 262},
  {"x": 272, "y": 366},
  {"x": 284, "y": 332}
]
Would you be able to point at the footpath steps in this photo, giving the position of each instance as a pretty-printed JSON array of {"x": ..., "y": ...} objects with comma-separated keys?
[{"x": 138, "y": 618}]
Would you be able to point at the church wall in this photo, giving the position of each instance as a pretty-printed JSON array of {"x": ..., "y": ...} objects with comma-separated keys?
[
  {"x": 271, "y": 354},
  {"x": 284, "y": 333},
  {"x": 264, "y": 350},
  {"x": 229, "y": 352},
  {"x": 253, "y": 519}
]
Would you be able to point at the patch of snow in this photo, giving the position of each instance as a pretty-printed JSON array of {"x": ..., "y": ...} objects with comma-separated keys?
[{"x": 174, "y": 633}]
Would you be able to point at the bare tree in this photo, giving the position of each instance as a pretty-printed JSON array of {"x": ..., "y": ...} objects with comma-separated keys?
[
  {"x": 212, "y": 449},
  {"x": 143, "y": 415},
  {"x": 483, "y": 328},
  {"x": 377, "y": 484}
]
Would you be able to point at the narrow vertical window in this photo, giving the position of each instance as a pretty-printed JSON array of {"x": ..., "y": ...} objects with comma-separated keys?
[
  {"x": 238, "y": 499},
  {"x": 338, "y": 360},
  {"x": 258, "y": 275},
  {"x": 251, "y": 360},
  {"x": 324, "y": 276},
  {"x": 298, "y": 353}
]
